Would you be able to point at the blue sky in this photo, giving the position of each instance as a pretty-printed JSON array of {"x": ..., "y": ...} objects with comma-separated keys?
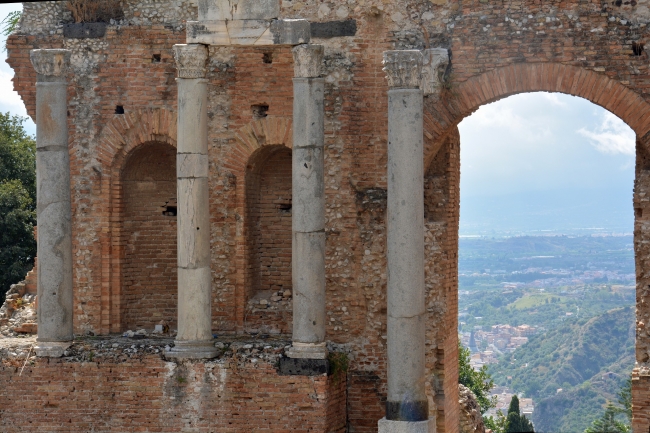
[
  {"x": 540, "y": 162},
  {"x": 9, "y": 100},
  {"x": 533, "y": 163}
]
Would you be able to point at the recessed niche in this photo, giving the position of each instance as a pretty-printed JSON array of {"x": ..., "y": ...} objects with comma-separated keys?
[{"x": 119, "y": 109}]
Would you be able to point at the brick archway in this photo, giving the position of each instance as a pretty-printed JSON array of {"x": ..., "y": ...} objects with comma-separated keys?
[
  {"x": 250, "y": 141},
  {"x": 463, "y": 99},
  {"x": 123, "y": 134}
]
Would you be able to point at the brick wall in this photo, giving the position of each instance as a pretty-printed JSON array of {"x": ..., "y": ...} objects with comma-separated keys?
[
  {"x": 149, "y": 277},
  {"x": 127, "y": 392},
  {"x": 583, "y": 48}
]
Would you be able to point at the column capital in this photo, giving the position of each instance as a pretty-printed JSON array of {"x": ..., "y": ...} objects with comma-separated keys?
[
  {"x": 191, "y": 60},
  {"x": 51, "y": 62},
  {"x": 307, "y": 60},
  {"x": 403, "y": 68}
]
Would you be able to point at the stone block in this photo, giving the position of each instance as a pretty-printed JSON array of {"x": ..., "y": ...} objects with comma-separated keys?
[
  {"x": 304, "y": 367},
  {"x": 84, "y": 30},
  {"x": 213, "y": 10},
  {"x": 388, "y": 426},
  {"x": 248, "y": 32},
  {"x": 290, "y": 32},
  {"x": 334, "y": 29}
]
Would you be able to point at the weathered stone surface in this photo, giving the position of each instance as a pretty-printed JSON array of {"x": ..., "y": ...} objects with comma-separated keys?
[
  {"x": 212, "y": 10},
  {"x": 334, "y": 29},
  {"x": 406, "y": 398},
  {"x": 303, "y": 367},
  {"x": 51, "y": 62},
  {"x": 190, "y": 60},
  {"x": 403, "y": 68},
  {"x": 307, "y": 59},
  {"x": 248, "y": 32},
  {"x": 308, "y": 203},
  {"x": 471, "y": 420},
  {"x": 434, "y": 65},
  {"x": 388, "y": 426},
  {"x": 84, "y": 30},
  {"x": 53, "y": 204}
]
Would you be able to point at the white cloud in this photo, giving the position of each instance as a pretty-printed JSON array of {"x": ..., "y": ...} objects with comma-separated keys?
[
  {"x": 507, "y": 118},
  {"x": 554, "y": 99},
  {"x": 10, "y": 100},
  {"x": 612, "y": 136}
]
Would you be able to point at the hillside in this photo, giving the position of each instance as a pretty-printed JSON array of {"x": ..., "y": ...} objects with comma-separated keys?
[{"x": 572, "y": 370}]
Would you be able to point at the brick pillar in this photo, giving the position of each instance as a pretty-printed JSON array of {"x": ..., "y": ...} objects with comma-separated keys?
[
  {"x": 53, "y": 203},
  {"x": 407, "y": 408},
  {"x": 641, "y": 372},
  {"x": 194, "y": 339},
  {"x": 308, "y": 205}
]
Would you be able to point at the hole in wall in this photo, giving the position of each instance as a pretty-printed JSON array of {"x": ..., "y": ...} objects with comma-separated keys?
[
  {"x": 170, "y": 211},
  {"x": 156, "y": 58},
  {"x": 637, "y": 48},
  {"x": 638, "y": 212},
  {"x": 260, "y": 111},
  {"x": 618, "y": 2},
  {"x": 119, "y": 109},
  {"x": 267, "y": 57},
  {"x": 284, "y": 207}
]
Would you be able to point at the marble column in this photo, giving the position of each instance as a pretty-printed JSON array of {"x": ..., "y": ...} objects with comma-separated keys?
[
  {"x": 53, "y": 207},
  {"x": 406, "y": 405},
  {"x": 308, "y": 205},
  {"x": 194, "y": 339}
]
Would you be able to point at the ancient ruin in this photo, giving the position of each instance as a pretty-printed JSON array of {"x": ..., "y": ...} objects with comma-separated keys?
[{"x": 278, "y": 182}]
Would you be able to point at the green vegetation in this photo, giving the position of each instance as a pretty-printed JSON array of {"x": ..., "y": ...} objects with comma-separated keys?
[
  {"x": 608, "y": 422},
  {"x": 515, "y": 421},
  {"x": 479, "y": 382},
  {"x": 17, "y": 201},
  {"x": 572, "y": 370},
  {"x": 10, "y": 23}
]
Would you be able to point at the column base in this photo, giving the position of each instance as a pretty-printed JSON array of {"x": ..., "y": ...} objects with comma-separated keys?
[
  {"x": 51, "y": 349},
  {"x": 388, "y": 426},
  {"x": 307, "y": 350},
  {"x": 192, "y": 350}
]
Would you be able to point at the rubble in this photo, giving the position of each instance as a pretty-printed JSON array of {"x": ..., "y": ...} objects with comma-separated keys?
[{"x": 18, "y": 313}]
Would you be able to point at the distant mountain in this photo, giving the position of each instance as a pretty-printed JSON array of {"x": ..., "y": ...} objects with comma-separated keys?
[{"x": 571, "y": 371}]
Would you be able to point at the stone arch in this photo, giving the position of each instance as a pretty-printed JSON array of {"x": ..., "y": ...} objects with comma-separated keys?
[
  {"x": 442, "y": 116},
  {"x": 253, "y": 145},
  {"x": 118, "y": 139}
]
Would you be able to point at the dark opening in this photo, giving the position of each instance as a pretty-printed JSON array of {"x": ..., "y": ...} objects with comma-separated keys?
[
  {"x": 637, "y": 48},
  {"x": 119, "y": 109},
  {"x": 267, "y": 57},
  {"x": 259, "y": 111},
  {"x": 285, "y": 207},
  {"x": 156, "y": 58},
  {"x": 618, "y": 2},
  {"x": 170, "y": 211}
]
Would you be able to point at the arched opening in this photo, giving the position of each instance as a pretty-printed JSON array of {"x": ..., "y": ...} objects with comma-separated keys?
[
  {"x": 268, "y": 241},
  {"x": 148, "y": 239},
  {"x": 546, "y": 259}
]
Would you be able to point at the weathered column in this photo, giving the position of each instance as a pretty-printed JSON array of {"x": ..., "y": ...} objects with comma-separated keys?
[
  {"x": 194, "y": 338},
  {"x": 308, "y": 205},
  {"x": 53, "y": 208},
  {"x": 406, "y": 406}
]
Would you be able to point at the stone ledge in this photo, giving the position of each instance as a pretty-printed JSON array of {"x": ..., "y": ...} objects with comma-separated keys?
[
  {"x": 248, "y": 32},
  {"x": 304, "y": 367}
]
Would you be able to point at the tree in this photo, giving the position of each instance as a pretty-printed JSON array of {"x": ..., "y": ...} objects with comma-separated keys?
[
  {"x": 17, "y": 201},
  {"x": 608, "y": 422},
  {"x": 515, "y": 422},
  {"x": 625, "y": 398},
  {"x": 479, "y": 382}
]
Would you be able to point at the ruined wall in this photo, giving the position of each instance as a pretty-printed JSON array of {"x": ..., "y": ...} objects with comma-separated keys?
[
  {"x": 149, "y": 282},
  {"x": 593, "y": 49},
  {"x": 116, "y": 386}
]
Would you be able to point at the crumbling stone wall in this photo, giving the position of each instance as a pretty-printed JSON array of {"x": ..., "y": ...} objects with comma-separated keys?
[
  {"x": 593, "y": 49},
  {"x": 116, "y": 386}
]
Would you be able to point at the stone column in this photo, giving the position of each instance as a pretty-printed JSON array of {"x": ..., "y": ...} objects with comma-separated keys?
[
  {"x": 53, "y": 203},
  {"x": 194, "y": 338},
  {"x": 406, "y": 405},
  {"x": 308, "y": 205}
]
